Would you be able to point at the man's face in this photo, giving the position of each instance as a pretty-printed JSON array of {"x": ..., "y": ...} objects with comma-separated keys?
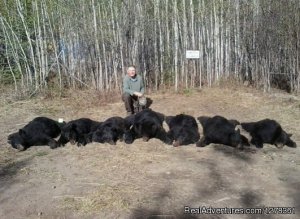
[{"x": 131, "y": 72}]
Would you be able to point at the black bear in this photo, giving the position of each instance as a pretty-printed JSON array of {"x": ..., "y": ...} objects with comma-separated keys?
[
  {"x": 268, "y": 131},
  {"x": 146, "y": 124},
  {"x": 76, "y": 131},
  {"x": 219, "y": 130},
  {"x": 183, "y": 129},
  {"x": 40, "y": 131},
  {"x": 110, "y": 131}
]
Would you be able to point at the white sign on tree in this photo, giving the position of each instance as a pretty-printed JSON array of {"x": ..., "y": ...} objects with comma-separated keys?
[{"x": 192, "y": 54}]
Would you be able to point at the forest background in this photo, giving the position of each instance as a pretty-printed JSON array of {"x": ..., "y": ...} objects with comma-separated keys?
[{"x": 64, "y": 44}]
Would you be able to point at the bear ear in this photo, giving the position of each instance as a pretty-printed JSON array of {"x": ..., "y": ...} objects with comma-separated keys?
[
  {"x": 161, "y": 116},
  {"x": 203, "y": 120},
  {"x": 234, "y": 122},
  {"x": 129, "y": 120},
  {"x": 168, "y": 119},
  {"x": 22, "y": 132}
]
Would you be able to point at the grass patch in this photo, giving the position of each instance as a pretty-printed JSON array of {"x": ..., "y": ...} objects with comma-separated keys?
[
  {"x": 41, "y": 153},
  {"x": 47, "y": 110},
  {"x": 106, "y": 197},
  {"x": 187, "y": 92}
]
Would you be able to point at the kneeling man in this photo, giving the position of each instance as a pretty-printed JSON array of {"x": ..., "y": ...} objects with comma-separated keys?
[{"x": 133, "y": 92}]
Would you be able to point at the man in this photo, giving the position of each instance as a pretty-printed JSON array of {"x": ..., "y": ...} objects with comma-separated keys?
[{"x": 133, "y": 91}]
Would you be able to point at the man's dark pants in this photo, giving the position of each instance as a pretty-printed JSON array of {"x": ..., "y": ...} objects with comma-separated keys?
[{"x": 131, "y": 103}]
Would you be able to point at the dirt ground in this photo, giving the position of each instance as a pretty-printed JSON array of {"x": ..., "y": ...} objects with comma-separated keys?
[{"x": 150, "y": 179}]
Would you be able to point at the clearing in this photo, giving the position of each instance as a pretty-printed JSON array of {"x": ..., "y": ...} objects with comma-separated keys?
[{"x": 146, "y": 179}]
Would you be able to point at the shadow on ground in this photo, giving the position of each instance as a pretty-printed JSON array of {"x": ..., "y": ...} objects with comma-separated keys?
[
  {"x": 9, "y": 172},
  {"x": 242, "y": 155},
  {"x": 144, "y": 213},
  {"x": 208, "y": 193},
  {"x": 295, "y": 194}
]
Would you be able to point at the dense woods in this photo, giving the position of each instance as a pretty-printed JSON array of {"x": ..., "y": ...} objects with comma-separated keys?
[{"x": 89, "y": 43}]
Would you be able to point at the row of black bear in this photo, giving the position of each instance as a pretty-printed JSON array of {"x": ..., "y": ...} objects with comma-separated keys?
[{"x": 183, "y": 130}]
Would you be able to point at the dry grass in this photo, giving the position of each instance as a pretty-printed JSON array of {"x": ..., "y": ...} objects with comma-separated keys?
[{"x": 105, "y": 197}]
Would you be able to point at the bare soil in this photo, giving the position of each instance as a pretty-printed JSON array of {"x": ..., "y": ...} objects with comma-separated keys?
[{"x": 148, "y": 179}]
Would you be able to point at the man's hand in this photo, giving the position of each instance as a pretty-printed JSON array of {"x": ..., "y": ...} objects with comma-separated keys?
[{"x": 138, "y": 94}]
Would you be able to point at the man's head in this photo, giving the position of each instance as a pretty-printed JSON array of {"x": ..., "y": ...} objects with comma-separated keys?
[{"x": 131, "y": 71}]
